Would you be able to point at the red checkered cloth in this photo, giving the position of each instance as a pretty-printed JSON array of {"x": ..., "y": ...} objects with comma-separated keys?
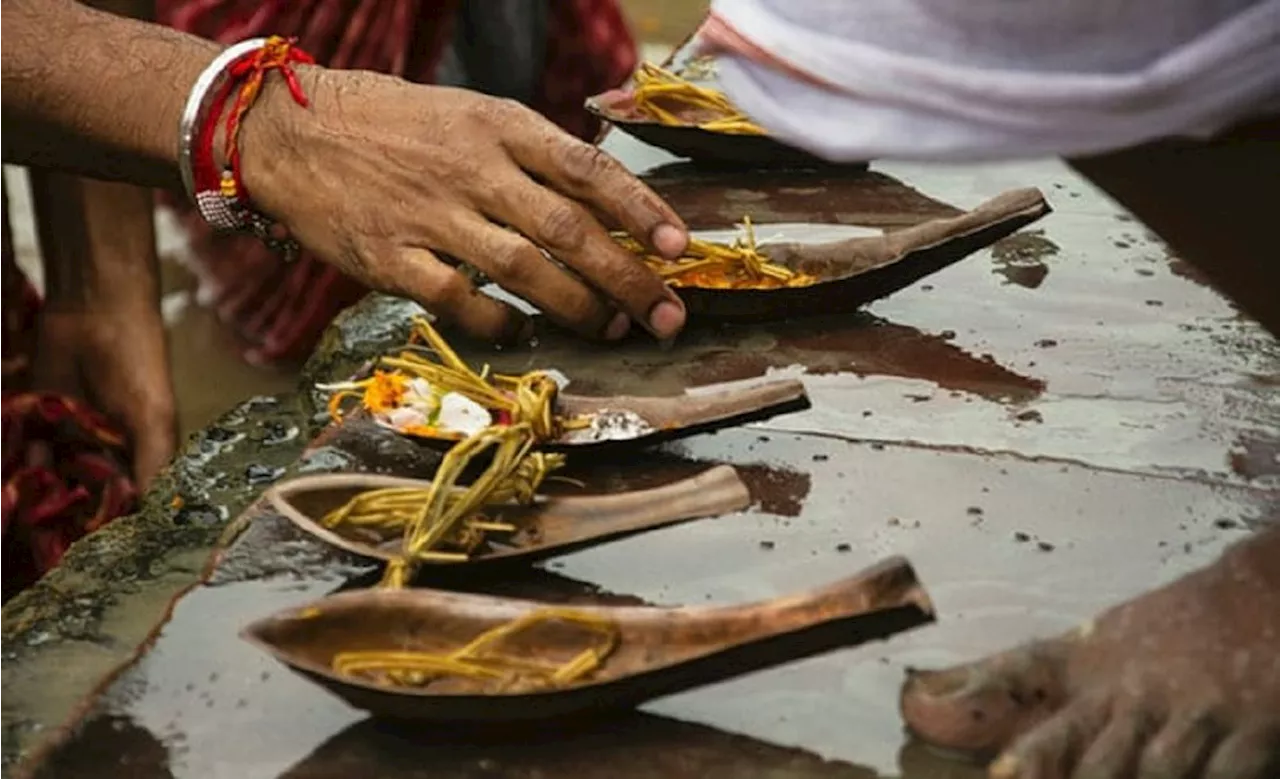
[
  {"x": 63, "y": 463},
  {"x": 280, "y": 311}
]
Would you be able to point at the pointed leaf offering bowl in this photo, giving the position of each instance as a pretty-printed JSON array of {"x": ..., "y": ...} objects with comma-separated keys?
[
  {"x": 651, "y": 420},
  {"x": 627, "y": 420},
  {"x": 551, "y": 526},
  {"x": 691, "y": 118},
  {"x": 842, "y": 276},
  {"x": 417, "y": 654}
]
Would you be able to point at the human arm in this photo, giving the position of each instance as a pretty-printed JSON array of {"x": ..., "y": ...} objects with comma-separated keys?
[
  {"x": 100, "y": 335},
  {"x": 378, "y": 176},
  {"x": 89, "y": 110}
]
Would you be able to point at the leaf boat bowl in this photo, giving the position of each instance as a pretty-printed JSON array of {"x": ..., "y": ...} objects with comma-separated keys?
[
  {"x": 628, "y": 420},
  {"x": 857, "y": 271},
  {"x": 551, "y": 526},
  {"x": 618, "y": 108},
  {"x": 660, "y": 651}
]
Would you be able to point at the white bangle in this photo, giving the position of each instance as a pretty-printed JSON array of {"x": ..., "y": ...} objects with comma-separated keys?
[{"x": 193, "y": 113}]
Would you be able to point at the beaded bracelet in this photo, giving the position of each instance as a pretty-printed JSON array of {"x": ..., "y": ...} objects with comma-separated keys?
[{"x": 220, "y": 194}]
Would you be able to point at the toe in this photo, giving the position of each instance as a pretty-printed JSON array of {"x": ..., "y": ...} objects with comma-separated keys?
[
  {"x": 1179, "y": 750},
  {"x": 1115, "y": 751},
  {"x": 1050, "y": 749},
  {"x": 981, "y": 707},
  {"x": 1248, "y": 753}
]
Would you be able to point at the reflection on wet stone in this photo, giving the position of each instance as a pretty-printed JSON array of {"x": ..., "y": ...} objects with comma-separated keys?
[
  {"x": 1020, "y": 258},
  {"x": 711, "y": 199},
  {"x": 869, "y": 345},
  {"x": 113, "y": 746},
  {"x": 637, "y": 745},
  {"x": 858, "y": 344}
]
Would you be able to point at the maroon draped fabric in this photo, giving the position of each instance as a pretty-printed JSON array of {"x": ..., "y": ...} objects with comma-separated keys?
[
  {"x": 280, "y": 311},
  {"x": 63, "y": 463}
]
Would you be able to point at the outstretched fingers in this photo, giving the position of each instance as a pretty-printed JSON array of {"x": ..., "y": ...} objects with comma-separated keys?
[
  {"x": 581, "y": 179},
  {"x": 593, "y": 176},
  {"x": 569, "y": 232}
]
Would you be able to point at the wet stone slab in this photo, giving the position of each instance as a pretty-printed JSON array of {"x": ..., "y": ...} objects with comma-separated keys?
[
  {"x": 1036, "y": 436},
  {"x": 1016, "y": 548}
]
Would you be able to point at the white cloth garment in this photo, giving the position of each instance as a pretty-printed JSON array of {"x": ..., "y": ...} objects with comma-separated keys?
[{"x": 994, "y": 79}]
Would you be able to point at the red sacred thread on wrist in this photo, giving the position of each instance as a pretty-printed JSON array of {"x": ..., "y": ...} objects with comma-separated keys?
[
  {"x": 249, "y": 72},
  {"x": 220, "y": 191},
  {"x": 204, "y": 166}
]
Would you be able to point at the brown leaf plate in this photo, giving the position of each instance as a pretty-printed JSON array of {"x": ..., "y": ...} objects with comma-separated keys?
[
  {"x": 661, "y": 651},
  {"x": 856, "y": 271},
  {"x": 628, "y": 420},
  {"x": 708, "y": 147},
  {"x": 551, "y": 526}
]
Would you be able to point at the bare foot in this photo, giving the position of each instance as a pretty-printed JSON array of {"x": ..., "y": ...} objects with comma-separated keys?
[{"x": 1181, "y": 682}]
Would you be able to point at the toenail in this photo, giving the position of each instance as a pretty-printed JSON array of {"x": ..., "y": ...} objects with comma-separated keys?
[{"x": 940, "y": 684}]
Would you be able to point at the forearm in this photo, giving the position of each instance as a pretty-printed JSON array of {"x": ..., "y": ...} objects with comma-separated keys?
[
  {"x": 97, "y": 238},
  {"x": 97, "y": 242},
  {"x": 95, "y": 94}
]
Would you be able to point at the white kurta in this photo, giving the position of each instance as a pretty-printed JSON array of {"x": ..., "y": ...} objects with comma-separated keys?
[{"x": 995, "y": 79}]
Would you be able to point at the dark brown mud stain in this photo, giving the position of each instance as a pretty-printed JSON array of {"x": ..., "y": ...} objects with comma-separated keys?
[{"x": 1020, "y": 258}]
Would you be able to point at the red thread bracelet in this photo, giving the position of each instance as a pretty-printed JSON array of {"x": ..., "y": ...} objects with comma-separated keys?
[{"x": 221, "y": 195}]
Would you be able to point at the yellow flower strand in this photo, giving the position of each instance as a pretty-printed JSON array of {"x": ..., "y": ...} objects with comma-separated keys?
[
  {"x": 657, "y": 88},
  {"x": 738, "y": 265},
  {"x": 443, "y": 522},
  {"x": 526, "y": 398},
  {"x": 480, "y": 659}
]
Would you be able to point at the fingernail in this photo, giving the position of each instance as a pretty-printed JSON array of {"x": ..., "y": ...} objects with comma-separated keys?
[
  {"x": 618, "y": 327},
  {"x": 669, "y": 240},
  {"x": 666, "y": 319}
]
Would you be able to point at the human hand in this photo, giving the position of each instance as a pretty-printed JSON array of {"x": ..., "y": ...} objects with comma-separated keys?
[
  {"x": 116, "y": 361},
  {"x": 381, "y": 177},
  {"x": 100, "y": 335}
]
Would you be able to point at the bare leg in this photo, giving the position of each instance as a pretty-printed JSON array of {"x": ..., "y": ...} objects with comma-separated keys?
[
  {"x": 1214, "y": 203},
  {"x": 1183, "y": 681}
]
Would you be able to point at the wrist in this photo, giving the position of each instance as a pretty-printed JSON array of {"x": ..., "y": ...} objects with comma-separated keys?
[{"x": 269, "y": 133}]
